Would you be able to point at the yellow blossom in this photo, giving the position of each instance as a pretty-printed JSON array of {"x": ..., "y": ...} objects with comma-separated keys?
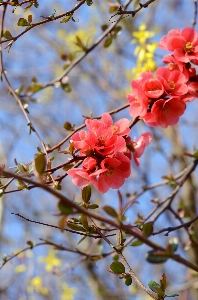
[
  {"x": 68, "y": 293},
  {"x": 51, "y": 261}
]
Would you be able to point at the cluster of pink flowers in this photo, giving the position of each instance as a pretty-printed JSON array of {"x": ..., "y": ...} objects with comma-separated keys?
[
  {"x": 107, "y": 151},
  {"x": 161, "y": 99}
]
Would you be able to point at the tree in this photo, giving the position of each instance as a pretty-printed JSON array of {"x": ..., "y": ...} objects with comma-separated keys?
[{"x": 85, "y": 153}]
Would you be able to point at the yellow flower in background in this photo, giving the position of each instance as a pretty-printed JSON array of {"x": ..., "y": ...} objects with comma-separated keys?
[
  {"x": 36, "y": 284},
  {"x": 142, "y": 35},
  {"x": 144, "y": 51},
  {"x": 68, "y": 293},
  {"x": 20, "y": 268},
  {"x": 51, "y": 261}
]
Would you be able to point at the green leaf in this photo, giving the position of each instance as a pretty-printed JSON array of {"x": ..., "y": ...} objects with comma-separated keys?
[
  {"x": 80, "y": 44},
  {"x": 113, "y": 8},
  {"x": 155, "y": 258},
  {"x": 31, "y": 244},
  {"x": 64, "y": 209},
  {"x": 66, "y": 87},
  {"x": 75, "y": 227},
  {"x": 93, "y": 206},
  {"x": 89, "y": 2},
  {"x": 147, "y": 229},
  {"x": 171, "y": 295},
  {"x": 40, "y": 163},
  {"x": 67, "y": 126},
  {"x": 20, "y": 184},
  {"x": 155, "y": 287},
  {"x": 66, "y": 19},
  {"x": 84, "y": 221},
  {"x": 81, "y": 240},
  {"x": 68, "y": 167},
  {"x": 117, "y": 267},
  {"x": 104, "y": 27},
  {"x": 128, "y": 281},
  {"x": 116, "y": 257},
  {"x": 107, "y": 42},
  {"x": 1, "y": 193},
  {"x": 86, "y": 193},
  {"x": 136, "y": 243},
  {"x": 110, "y": 211},
  {"x": 7, "y": 35},
  {"x": 22, "y": 22},
  {"x": 163, "y": 283}
]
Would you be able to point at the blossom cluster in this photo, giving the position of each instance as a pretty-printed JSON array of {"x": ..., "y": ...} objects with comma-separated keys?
[
  {"x": 161, "y": 99},
  {"x": 107, "y": 151}
]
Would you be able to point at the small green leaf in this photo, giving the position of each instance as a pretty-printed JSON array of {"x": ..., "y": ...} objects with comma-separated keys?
[
  {"x": 22, "y": 22},
  {"x": 117, "y": 267},
  {"x": 40, "y": 163},
  {"x": 20, "y": 184},
  {"x": 89, "y": 2},
  {"x": 116, "y": 257},
  {"x": 31, "y": 244},
  {"x": 64, "y": 209},
  {"x": 156, "y": 258},
  {"x": 84, "y": 221},
  {"x": 68, "y": 167},
  {"x": 107, "y": 42},
  {"x": 104, "y": 27},
  {"x": 155, "y": 287},
  {"x": 67, "y": 126},
  {"x": 75, "y": 227},
  {"x": 113, "y": 8},
  {"x": 110, "y": 211},
  {"x": 147, "y": 229},
  {"x": 66, "y": 19},
  {"x": 81, "y": 240},
  {"x": 86, "y": 193},
  {"x": 128, "y": 281},
  {"x": 66, "y": 87},
  {"x": 136, "y": 243},
  {"x": 93, "y": 206},
  {"x": 171, "y": 295},
  {"x": 7, "y": 35}
]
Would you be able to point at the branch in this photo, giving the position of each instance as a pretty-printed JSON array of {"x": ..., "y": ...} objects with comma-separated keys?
[
  {"x": 195, "y": 13},
  {"x": 50, "y": 19},
  {"x": 170, "y": 229},
  {"x": 132, "y": 12},
  {"x": 126, "y": 228},
  {"x": 70, "y": 230}
]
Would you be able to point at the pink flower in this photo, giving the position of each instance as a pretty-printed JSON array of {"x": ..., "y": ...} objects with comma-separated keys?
[
  {"x": 174, "y": 81},
  {"x": 153, "y": 88},
  {"x": 137, "y": 147},
  {"x": 113, "y": 173},
  {"x": 184, "y": 44},
  {"x": 80, "y": 177},
  {"x": 174, "y": 64},
  {"x": 165, "y": 112},
  {"x": 138, "y": 104}
]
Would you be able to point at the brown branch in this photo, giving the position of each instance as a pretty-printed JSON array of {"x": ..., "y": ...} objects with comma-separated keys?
[
  {"x": 132, "y": 12},
  {"x": 126, "y": 228},
  {"x": 195, "y": 13},
  {"x": 49, "y": 225},
  {"x": 133, "y": 275},
  {"x": 170, "y": 229},
  {"x": 49, "y": 19}
]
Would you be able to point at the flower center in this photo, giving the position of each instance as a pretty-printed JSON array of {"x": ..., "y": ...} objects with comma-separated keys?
[
  {"x": 171, "y": 84},
  {"x": 188, "y": 47}
]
